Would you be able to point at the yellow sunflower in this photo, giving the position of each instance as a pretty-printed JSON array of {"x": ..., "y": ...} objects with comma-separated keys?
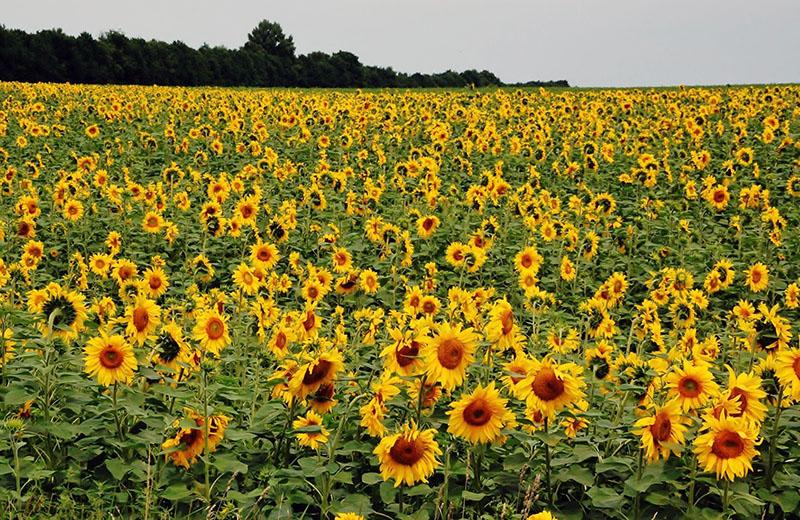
[
  {"x": 727, "y": 447},
  {"x": 787, "y": 369},
  {"x": 211, "y": 330},
  {"x": 448, "y": 354},
  {"x": 314, "y": 433},
  {"x": 479, "y": 416},
  {"x": 501, "y": 329},
  {"x": 408, "y": 456},
  {"x": 662, "y": 431},
  {"x": 746, "y": 389},
  {"x": 757, "y": 277},
  {"x": 549, "y": 387},
  {"x": 318, "y": 371},
  {"x": 110, "y": 359},
  {"x": 691, "y": 385},
  {"x": 143, "y": 318}
]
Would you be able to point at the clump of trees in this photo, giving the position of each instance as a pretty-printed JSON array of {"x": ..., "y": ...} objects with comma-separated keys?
[{"x": 267, "y": 59}]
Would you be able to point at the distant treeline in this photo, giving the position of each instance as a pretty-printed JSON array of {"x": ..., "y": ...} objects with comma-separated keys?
[{"x": 267, "y": 59}]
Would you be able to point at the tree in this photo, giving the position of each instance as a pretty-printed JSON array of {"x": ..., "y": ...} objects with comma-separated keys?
[{"x": 268, "y": 37}]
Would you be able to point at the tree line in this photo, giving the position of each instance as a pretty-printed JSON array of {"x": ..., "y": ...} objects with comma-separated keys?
[{"x": 267, "y": 59}]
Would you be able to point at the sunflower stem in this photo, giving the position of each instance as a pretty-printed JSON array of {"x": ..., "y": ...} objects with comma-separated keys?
[
  {"x": 692, "y": 485},
  {"x": 117, "y": 421},
  {"x": 726, "y": 488},
  {"x": 547, "y": 465},
  {"x": 637, "y": 500},
  {"x": 773, "y": 441},
  {"x": 206, "y": 468}
]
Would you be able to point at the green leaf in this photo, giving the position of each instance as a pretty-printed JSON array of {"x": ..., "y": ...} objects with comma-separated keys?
[
  {"x": 388, "y": 492},
  {"x": 470, "y": 496},
  {"x": 228, "y": 463},
  {"x": 117, "y": 468},
  {"x": 176, "y": 492},
  {"x": 371, "y": 478},
  {"x": 605, "y": 498}
]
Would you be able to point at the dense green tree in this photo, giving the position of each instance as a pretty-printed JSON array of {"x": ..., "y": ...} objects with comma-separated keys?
[{"x": 267, "y": 59}]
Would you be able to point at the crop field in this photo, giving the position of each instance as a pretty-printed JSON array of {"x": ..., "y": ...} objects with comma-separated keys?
[{"x": 480, "y": 304}]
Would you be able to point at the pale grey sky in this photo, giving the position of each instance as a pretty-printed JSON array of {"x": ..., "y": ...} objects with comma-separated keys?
[{"x": 588, "y": 42}]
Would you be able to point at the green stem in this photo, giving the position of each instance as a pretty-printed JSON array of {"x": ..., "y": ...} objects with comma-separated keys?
[
  {"x": 117, "y": 421},
  {"x": 547, "y": 466},
  {"x": 725, "y": 496},
  {"x": 206, "y": 461},
  {"x": 637, "y": 500},
  {"x": 773, "y": 442}
]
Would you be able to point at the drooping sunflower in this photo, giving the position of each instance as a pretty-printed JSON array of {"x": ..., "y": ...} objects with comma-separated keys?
[
  {"x": 190, "y": 441},
  {"x": 662, "y": 430},
  {"x": 211, "y": 330},
  {"x": 110, "y": 359},
  {"x": 727, "y": 447},
  {"x": 549, "y": 387},
  {"x": 691, "y": 385},
  {"x": 143, "y": 318},
  {"x": 319, "y": 370},
  {"x": 479, "y": 416},
  {"x": 63, "y": 311},
  {"x": 448, "y": 354},
  {"x": 316, "y": 435},
  {"x": 408, "y": 456}
]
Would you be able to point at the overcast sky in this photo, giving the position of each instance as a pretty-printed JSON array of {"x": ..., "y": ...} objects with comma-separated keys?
[{"x": 587, "y": 42}]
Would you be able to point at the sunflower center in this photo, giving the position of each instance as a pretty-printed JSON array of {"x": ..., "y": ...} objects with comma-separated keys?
[
  {"x": 406, "y": 452},
  {"x": 450, "y": 352},
  {"x": 407, "y": 354},
  {"x": 727, "y": 445},
  {"x": 215, "y": 328},
  {"x": 140, "y": 318},
  {"x": 155, "y": 282},
  {"x": 111, "y": 358},
  {"x": 719, "y": 196},
  {"x": 689, "y": 387},
  {"x": 546, "y": 385},
  {"x": 427, "y": 224},
  {"x": 756, "y": 276},
  {"x": 796, "y": 367},
  {"x": 318, "y": 373},
  {"x": 280, "y": 340},
  {"x": 477, "y": 413},
  {"x": 661, "y": 428}
]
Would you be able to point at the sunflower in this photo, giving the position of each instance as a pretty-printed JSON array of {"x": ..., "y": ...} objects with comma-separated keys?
[
  {"x": 171, "y": 349},
  {"x": 502, "y": 329},
  {"x": 341, "y": 260},
  {"x": 479, "y": 416},
  {"x": 718, "y": 197},
  {"x": 73, "y": 210},
  {"x": 746, "y": 389},
  {"x": 110, "y": 359},
  {"x": 549, "y": 387},
  {"x": 727, "y": 447},
  {"x": 427, "y": 225},
  {"x": 757, "y": 277},
  {"x": 567, "y": 270},
  {"x": 245, "y": 279},
  {"x": 348, "y": 516},
  {"x": 143, "y": 318},
  {"x": 544, "y": 515},
  {"x": 314, "y": 432},
  {"x": 155, "y": 282},
  {"x": 691, "y": 385},
  {"x": 787, "y": 369},
  {"x": 662, "y": 431},
  {"x": 280, "y": 340},
  {"x": 319, "y": 370},
  {"x": 402, "y": 355},
  {"x": 448, "y": 354},
  {"x": 64, "y": 312},
  {"x": 408, "y": 456},
  {"x": 190, "y": 440},
  {"x": 211, "y": 330},
  {"x": 100, "y": 264}
]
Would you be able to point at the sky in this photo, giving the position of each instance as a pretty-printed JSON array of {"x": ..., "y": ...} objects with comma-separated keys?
[{"x": 587, "y": 42}]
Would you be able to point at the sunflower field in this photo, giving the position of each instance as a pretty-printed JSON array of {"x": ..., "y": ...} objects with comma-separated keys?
[{"x": 482, "y": 304}]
